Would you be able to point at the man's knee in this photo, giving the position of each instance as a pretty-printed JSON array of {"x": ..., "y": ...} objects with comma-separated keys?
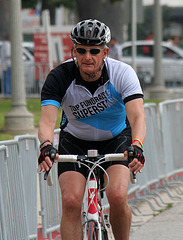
[
  {"x": 71, "y": 202},
  {"x": 117, "y": 199}
]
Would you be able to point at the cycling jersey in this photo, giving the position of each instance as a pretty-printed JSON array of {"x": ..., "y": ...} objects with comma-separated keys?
[{"x": 95, "y": 116}]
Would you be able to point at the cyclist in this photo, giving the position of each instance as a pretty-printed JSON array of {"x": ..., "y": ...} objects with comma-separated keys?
[{"x": 102, "y": 105}]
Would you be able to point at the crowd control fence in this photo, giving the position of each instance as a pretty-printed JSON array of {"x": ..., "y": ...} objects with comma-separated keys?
[
  {"x": 28, "y": 152},
  {"x": 172, "y": 130},
  {"x": 15, "y": 222},
  {"x": 18, "y": 175},
  {"x": 50, "y": 198},
  {"x": 163, "y": 170}
]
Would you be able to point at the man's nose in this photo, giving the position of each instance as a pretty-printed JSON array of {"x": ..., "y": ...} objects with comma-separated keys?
[{"x": 88, "y": 55}]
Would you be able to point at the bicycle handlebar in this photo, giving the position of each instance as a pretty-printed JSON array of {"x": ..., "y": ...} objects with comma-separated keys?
[
  {"x": 83, "y": 158},
  {"x": 77, "y": 158}
]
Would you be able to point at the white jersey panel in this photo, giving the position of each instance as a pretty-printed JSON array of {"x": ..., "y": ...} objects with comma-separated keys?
[
  {"x": 102, "y": 115},
  {"x": 123, "y": 78}
]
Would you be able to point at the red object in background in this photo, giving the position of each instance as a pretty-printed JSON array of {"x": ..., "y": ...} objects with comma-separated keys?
[
  {"x": 40, "y": 54},
  {"x": 55, "y": 235},
  {"x": 40, "y": 48},
  {"x": 31, "y": 11},
  {"x": 66, "y": 42},
  {"x": 41, "y": 51}
]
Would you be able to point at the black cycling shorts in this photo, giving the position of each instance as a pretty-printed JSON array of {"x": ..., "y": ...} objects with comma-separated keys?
[{"x": 69, "y": 144}]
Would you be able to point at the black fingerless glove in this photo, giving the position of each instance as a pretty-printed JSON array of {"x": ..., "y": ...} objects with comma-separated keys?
[
  {"x": 138, "y": 153},
  {"x": 49, "y": 151}
]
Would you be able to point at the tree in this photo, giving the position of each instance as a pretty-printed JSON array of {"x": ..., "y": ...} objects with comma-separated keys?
[
  {"x": 46, "y": 4},
  {"x": 29, "y": 3},
  {"x": 110, "y": 12},
  {"x": 4, "y": 19}
]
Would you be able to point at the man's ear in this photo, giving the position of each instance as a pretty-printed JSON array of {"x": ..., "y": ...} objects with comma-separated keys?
[
  {"x": 106, "y": 52},
  {"x": 73, "y": 51}
]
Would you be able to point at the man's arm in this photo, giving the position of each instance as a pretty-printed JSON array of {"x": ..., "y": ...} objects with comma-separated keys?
[
  {"x": 136, "y": 117},
  {"x": 46, "y": 128}
]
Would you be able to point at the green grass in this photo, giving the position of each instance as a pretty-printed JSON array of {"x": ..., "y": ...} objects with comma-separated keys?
[
  {"x": 169, "y": 205},
  {"x": 33, "y": 106},
  {"x": 152, "y": 101}
]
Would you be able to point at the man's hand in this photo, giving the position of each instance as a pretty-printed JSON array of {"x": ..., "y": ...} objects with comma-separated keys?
[
  {"x": 138, "y": 162},
  {"x": 45, "y": 159}
]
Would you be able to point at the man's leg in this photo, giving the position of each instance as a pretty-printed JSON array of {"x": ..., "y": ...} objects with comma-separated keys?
[
  {"x": 72, "y": 186},
  {"x": 120, "y": 213}
]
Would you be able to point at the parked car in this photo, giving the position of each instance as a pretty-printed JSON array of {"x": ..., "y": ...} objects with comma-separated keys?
[
  {"x": 172, "y": 61},
  {"x": 29, "y": 66},
  {"x": 29, "y": 46}
]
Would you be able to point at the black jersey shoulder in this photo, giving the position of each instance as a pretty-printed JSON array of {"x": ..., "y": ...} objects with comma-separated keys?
[{"x": 58, "y": 81}]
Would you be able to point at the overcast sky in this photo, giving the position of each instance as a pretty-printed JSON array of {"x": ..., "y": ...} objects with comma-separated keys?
[{"x": 175, "y": 3}]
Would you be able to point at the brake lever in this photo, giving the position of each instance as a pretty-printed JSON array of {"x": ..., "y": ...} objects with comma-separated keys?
[
  {"x": 130, "y": 159},
  {"x": 52, "y": 157}
]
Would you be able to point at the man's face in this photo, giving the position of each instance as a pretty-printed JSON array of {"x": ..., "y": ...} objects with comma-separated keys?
[{"x": 90, "y": 58}]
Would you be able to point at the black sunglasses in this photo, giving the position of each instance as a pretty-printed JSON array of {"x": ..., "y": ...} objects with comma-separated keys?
[{"x": 93, "y": 51}]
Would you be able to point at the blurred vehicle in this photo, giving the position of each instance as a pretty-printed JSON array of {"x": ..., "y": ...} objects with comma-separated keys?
[
  {"x": 29, "y": 46},
  {"x": 172, "y": 62},
  {"x": 29, "y": 66}
]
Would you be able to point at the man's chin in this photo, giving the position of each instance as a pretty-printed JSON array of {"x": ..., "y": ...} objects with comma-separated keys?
[{"x": 88, "y": 71}]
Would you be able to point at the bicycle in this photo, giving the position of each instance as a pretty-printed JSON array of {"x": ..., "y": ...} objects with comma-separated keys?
[{"x": 96, "y": 225}]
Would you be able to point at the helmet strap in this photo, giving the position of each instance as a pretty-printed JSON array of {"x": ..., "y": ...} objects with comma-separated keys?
[{"x": 74, "y": 58}]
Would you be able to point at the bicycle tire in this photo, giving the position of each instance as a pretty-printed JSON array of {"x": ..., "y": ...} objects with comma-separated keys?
[{"x": 92, "y": 232}]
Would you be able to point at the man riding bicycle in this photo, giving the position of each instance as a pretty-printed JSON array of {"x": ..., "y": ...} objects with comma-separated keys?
[{"x": 102, "y": 104}]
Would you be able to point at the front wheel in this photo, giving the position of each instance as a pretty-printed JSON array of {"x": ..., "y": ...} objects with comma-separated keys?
[
  {"x": 92, "y": 231},
  {"x": 104, "y": 234}
]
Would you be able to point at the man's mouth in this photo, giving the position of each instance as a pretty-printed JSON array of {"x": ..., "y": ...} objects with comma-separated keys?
[{"x": 88, "y": 64}]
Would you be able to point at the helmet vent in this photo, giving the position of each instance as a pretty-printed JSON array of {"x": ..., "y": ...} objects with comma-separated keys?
[
  {"x": 82, "y": 31},
  {"x": 88, "y": 34},
  {"x": 102, "y": 33},
  {"x": 90, "y": 24},
  {"x": 76, "y": 32},
  {"x": 99, "y": 24},
  {"x": 96, "y": 31}
]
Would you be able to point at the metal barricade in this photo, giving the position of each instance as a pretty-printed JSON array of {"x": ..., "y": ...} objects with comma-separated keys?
[
  {"x": 50, "y": 199},
  {"x": 171, "y": 113},
  {"x": 148, "y": 180},
  {"x": 13, "y": 197},
  {"x": 153, "y": 169},
  {"x": 152, "y": 149},
  {"x": 28, "y": 152},
  {"x": 3, "y": 229}
]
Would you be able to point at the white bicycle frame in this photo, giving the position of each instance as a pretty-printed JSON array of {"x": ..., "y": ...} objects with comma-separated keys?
[{"x": 94, "y": 210}]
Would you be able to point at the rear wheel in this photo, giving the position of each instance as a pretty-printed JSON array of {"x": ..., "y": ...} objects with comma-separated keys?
[{"x": 92, "y": 232}]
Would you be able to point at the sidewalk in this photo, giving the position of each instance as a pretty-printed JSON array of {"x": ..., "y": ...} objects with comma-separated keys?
[{"x": 166, "y": 225}]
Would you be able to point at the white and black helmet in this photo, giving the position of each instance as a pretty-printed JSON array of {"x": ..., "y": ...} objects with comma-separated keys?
[{"x": 91, "y": 32}]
